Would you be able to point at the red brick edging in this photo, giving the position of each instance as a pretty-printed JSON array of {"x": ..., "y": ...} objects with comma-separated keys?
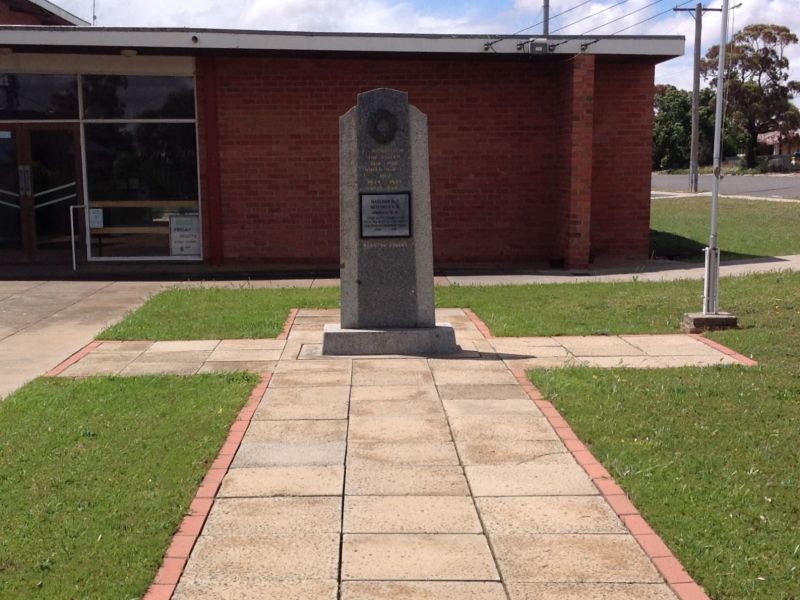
[
  {"x": 482, "y": 327},
  {"x": 670, "y": 568},
  {"x": 177, "y": 554},
  {"x": 64, "y": 365},
  {"x": 284, "y": 334},
  {"x": 748, "y": 362}
]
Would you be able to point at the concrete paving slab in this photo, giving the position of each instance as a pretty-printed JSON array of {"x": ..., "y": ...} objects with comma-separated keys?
[
  {"x": 548, "y": 514},
  {"x": 255, "y": 517},
  {"x": 460, "y": 377},
  {"x": 417, "y": 557},
  {"x": 229, "y": 590},
  {"x": 297, "y": 431},
  {"x": 138, "y": 346},
  {"x": 393, "y": 392},
  {"x": 340, "y": 364},
  {"x": 107, "y": 363},
  {"x": 403, "y": 453},
  {"x": 589, "y": 591},
  {"x": 311, "y": 378},
  {"x": 422, "y": 590},
  {"x": 260, "y": 367},
  {"x": 161, "y": 368},
  {"x": 375, "y": 479},
  {"x": 573, "y": 558},
  {"x": 283, "y": 481},
  {"x": 264, "y": 558},
  {"x": 697, "y": 361},
  {"x": 481, "y": 392},
  {"x": 323, "y": 402},
  {"x": 498, "y": 451},
  {"x": 527, "y": 427},
  {"x": 669, "y": 345},
  {"x": 394, "y": 364},
  {"x": 391, "y": 377},
  {"x": 619, "y": 362},
  {"x": 269, "y": 454},
  {"x": 410, "y": 514},
  {"x": 251, "y": 344},
  {"x": 611, "y": 345},
  {"x": 151, "y": 356},
  {"x": 476, "y": 365},
  {"x": 399, "y": 429},
  {"x": 184, "y": 345},
  {"x": 463, "y": 408},
  {"x": 530, "y": 479},
  {"x": 396, "y": 408},
  {"x": 245, "y": 355}
]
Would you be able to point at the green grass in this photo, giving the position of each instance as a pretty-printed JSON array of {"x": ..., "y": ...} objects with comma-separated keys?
[
  {"x": 709, "y": 456},
  {"x": 679, "y": 228},
  {"x": 215, "y": 313},
  {"x": 96, "y": 474}
]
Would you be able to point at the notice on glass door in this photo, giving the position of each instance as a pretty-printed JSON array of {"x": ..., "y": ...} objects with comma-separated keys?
[{"x": 184, "y": 235}]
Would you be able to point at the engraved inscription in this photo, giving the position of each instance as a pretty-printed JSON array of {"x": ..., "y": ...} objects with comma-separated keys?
[
  {"x": 381, "y": 168},
  {"x": 385, "y": 215}
]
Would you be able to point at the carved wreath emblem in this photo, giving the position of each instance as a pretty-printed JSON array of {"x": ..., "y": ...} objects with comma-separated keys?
[{"x": 382, "y": 126}]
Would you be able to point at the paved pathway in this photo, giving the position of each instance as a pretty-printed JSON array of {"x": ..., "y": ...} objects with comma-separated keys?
[
  {"x": 413, "y": 478},
  {"x": 779, "y": 186}
]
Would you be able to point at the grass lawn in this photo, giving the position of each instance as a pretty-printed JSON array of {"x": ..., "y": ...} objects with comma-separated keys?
[
  {"x": 711, "y": 457},
  {"x": 97, "y": 473},
  {"x": 679, "y": 228}
]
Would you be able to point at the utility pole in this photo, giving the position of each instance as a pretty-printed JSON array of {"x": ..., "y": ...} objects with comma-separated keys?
[
  {"x": 694, "y": 168},
  {"x": 546, "y": 18},
  {"x": 711, "y": 317}
]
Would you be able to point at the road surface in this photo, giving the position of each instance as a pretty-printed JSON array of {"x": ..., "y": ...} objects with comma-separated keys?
[{"x": 777, "y": 186}]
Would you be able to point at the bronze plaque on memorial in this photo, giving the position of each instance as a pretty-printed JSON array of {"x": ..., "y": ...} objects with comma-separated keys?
[{"x": 386, "y": 215}]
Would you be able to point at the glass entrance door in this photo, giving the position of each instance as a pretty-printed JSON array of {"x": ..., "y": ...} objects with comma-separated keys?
[{"x": 39, "y": 181}]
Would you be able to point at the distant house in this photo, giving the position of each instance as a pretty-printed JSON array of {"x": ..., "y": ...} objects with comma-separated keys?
[
  {"x": 779, "y": 143},
  {"x": 36, "y": 12}
]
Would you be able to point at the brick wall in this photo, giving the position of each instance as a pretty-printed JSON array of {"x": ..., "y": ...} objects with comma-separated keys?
[
  {"x": 32, "y": 16},
  {"x": 497, "y": 153},
  {"x": 622, "y": 159}
]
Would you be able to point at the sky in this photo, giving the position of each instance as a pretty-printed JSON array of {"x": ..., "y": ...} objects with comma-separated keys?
[{"x": 453, "y": 16}]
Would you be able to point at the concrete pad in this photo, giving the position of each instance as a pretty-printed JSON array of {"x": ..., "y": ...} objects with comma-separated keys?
[
  {"x": 161, "y": 368},
  {"x": 589, "y": 591},
  {"x": 251, "y": 344},
  {"x": 403, "y": 453},
  {"x": 512, "y": 344},
  {"x": 340, "y": 364},
  {"x": 506, "y": 427},
  {"x": 450, "y": 364},
  {"x": 393, "y": 392},
  {"x": 392, "y": 364},
  {"x": 244, "y": 355},
  {"x": 410, "y": 514},
  {"x": 272, "y": 516},
  {"x": 548, "y": 514},
  {"x": 106, "y": 363},
  {"x": 697, "y": 361},
  {"x": 464, "y": 408},
  {"x": 573, "y": 558},
  {"x": 319, "y": 312},
  {"x": 229, "y": 590},
  {"x": 267, "y": 454},
  {"x": 481, "y": 392},
  {"x": 596, "y": 345},
  {"x": 422, "y": 590},
  {"x": 375, "y": 479},
  {"x": 396, "y": 408},
  {"x": 619, "y": 362},
  {"x": 545, "y": 362},
  {"x": 417, "y": 557},
  {"x": 252, "y": 366},
  {"x": 391, "y": 377},
  {"x": 184, "y": 345},
  {"x": 297, "y": 431},
  {"x": 173, "y": 356},
  {"x": 530, "y": 479},
  {"x": 461, "y": 377},
  {"x": 299, "y": 335},
  {"x": 497, "y": 451},
  {"x": 123, "y": 346},
  {"x": 311, "y": 378},
  {"x": 669, "y": 345},
  {"x": 283, "y": 481},
  {"x": 324, "y": 402},
  {"x": 399, "y": 429},
  {"x": 259, "y": 559}
]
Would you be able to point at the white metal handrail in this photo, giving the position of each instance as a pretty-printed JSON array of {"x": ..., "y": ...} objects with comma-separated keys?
[
  {"x": 72, "y": 233},
  {"x": 9, "y": 193},
  {"x": 9, "y": 204},
  {"x": 56, "y": 201},
  {"x": 55, "y": 189}
]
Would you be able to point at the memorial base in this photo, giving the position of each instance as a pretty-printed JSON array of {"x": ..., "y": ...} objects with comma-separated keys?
[
  {"x": 699, "y": 322},
  {"x": 420, "y": 341}
]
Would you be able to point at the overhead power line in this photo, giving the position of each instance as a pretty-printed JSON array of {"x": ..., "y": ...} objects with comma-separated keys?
[
  {"x": 563, "y": 12},
  {"x": 633, "y": 12},
  {"x": 599, "y": 12},
  {"x": 650, "y": 18}
]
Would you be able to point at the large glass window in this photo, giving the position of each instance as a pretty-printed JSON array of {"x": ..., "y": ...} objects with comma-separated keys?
[
  {"x": 38, "y": 97},
  {"x": 137, "y": 97},
  {"x": 141, "y": 166}
]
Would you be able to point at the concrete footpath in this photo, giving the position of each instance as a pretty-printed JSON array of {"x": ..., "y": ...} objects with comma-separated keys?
[
  {"x": 44, "y": 322},
  {"x": 416, "y": 478}
]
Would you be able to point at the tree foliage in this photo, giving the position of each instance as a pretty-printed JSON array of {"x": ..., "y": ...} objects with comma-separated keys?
[{"x": 759, "y": 92}]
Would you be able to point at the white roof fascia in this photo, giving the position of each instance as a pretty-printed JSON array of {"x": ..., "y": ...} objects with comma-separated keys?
[
  {"x": 60, "y": 12},
  {"x": 206, "y": 39}
]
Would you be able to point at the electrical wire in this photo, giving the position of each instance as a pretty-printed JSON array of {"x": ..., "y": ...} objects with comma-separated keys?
[
  {"x": 599, "y": 12},
  {"x": 650, "y": 18},
  {"x": 645, "y": 7},
  {"x": 563, "y": 12}
]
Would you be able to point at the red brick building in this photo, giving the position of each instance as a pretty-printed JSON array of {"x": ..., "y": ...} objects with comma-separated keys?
[
  {"x": 36, "y": 12},
  {"x": 222, "y": 146}
]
